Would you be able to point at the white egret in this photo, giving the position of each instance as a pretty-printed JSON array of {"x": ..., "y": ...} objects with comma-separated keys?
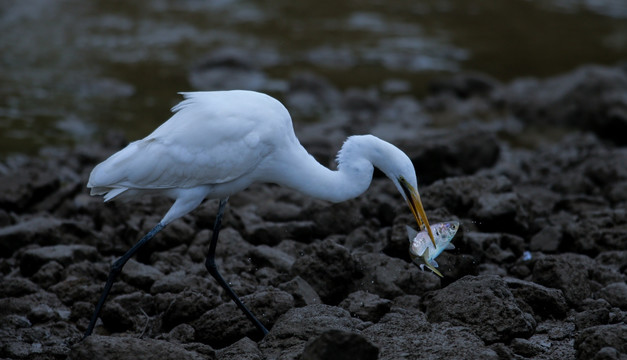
[{"x": 219, "y": 143}]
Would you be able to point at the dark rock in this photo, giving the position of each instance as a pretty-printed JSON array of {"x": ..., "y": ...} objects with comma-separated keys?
[
  {"x": 457, "y": 153},
  {"x": 226, "y": 323},
  {"x": 178, "y": 281},
  {"x": 292, "y": 331},
  {"x": 390, "y": 277},
  {"x": 243, "y": 349},
  {"x": 121, "y": 348},
  {"x": 547, "y": 240},
  {"x": 26, "y": 186},
  {"x": 400, "y": 334},
  {"x": 127, "y": 311},
  {"x": 500, "y": 212},
  {"x": 567, "y": 272},
  {"x": 264, "y": 255},
  {"x": 27, "y": 232},
  {"x": 328, "y": 268},
  {"x": 140, "y": 275},
  {"x": 593, "y": 313},
  {"x": 545, "y": 302},
  {"x": 301, "y": 291},
  {"x": 464, "y": 85},
  {"x": 366, "y": 306},
  {"x": 33, "y": 259},
  {"x": 483, "y": 303},
  {"x": 182, "y": 333},
  {"x": 336, "y": 345},
  {"x": 271, "y": 233},
  {"x": 188, "y": 305},
  {"x": 48, "y": 274},
  {"x": 526, "y": 348},
  {"x": 615, "y": 294},
  {"x": 13, "y": 287},
  {"x": 595, "y": 339},
  {"x": 591, "y": 97}
]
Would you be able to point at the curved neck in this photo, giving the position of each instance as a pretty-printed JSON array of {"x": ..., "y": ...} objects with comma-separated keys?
[{"x": 303, "y": 173}]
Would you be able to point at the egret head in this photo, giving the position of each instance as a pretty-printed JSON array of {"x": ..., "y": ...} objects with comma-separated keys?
[{"x": 398, "y": 167}]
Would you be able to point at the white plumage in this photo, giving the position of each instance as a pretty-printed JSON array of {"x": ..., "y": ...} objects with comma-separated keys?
[{"x": 218, "y": 143}]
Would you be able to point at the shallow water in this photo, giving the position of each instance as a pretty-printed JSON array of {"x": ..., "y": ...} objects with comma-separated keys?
[{"x": 73, "y": 69}]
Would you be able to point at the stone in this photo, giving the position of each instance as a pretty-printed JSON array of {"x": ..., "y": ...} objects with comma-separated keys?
[
  {"x": 226, "y": 323},
  {"x": 31, "y": 231},
  {"x": 187, "y": 305},
  {"x": 16, "y": 287},
  {"x": 593, "y": 340},
  {"x": 399, "y": 334},
  {"x": 140, "y": 275},
  {"x": 337, "y": 344},
  {"x": 127, "y": 348},
  {"x": 567, "y": 272},
  {"x": 389, "y": 277},
  {"x": 545, "y": 302},
  {"x": 547, "y": 240},
  {"x": 264, "y": 255},
  {"x": 615, "y": 294},
  {"x": 33, "y": 259},
  {"x": 329, "y": 268},
  {"x": 243, "y": 349},
  {"x": 293, "y": 329},
  {"x": 301, "y": 291},
  {"x": 366, "y": 306},
  {"x": 483, "y": 303}
]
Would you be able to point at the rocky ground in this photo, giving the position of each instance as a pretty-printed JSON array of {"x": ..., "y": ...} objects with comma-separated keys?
[{"x": 534, "y": 170}]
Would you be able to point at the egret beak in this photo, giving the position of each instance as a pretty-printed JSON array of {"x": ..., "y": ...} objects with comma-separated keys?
[{"x": 415, "y": 205}]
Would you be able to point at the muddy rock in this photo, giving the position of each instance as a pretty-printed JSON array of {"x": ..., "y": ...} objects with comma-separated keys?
[
  {"x": 243, "y": 349},
  {"x": 301, "y": 291},
  {"x": 366, "y": 306},
  {"x": 328, "y": 267},
  {"x": 615, "y": 294},
  {"x": 397, "y": 335},
  {"x": 33, "y": 259},
  {"x": 108, "y": 347},
  {"x": 337, "y": 344},
  {"x": 267, "y": 304},
  {"x": 463, "y": 303},
  {"x": 292, "y": 330},
  {"x": 544, "y": 302},
  {"x": 589, "y": 97},
  {"x": 567, "y": 272},
  {"x": 597, "y": 341}
]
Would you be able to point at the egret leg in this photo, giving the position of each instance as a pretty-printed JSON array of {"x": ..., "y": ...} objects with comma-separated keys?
[
  {"x": 116, "y": 268},
  {"x": 211, "y": 266}
]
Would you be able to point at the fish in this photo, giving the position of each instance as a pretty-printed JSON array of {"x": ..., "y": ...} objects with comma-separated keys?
[{"x": 421, "y": 249}]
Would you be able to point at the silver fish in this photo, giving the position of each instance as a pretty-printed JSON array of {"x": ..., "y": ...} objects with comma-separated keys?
[{"x": 421, "y": 247}]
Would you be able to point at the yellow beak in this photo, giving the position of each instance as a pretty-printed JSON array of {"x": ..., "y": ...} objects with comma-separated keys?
[{"x": 415, "y": 204}]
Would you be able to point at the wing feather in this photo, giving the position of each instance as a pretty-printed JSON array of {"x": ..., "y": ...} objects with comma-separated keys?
[{"x": 205, "y": 142}]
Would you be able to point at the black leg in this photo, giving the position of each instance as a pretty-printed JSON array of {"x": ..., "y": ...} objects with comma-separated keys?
[
  {"x": 116, "y": 268},
  {"x": 213, "y": 269}
]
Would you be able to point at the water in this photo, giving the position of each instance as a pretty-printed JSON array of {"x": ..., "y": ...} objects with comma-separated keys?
[{"x": 73, "y": 69}]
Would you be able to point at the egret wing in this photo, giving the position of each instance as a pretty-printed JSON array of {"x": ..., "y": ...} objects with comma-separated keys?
[{"x": 205, "y": 142}]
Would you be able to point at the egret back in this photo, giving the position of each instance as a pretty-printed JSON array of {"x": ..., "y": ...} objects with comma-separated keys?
[{"x": 212, "y": 138}]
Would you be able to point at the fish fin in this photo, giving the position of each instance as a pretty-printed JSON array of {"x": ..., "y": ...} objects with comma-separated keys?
[
  {"x": 450, "y": 246},
  {"x": 434, "y": 263},
  {"x": 411, "y": 233},
  {"x": 435, "y": 270},
  {"x": 422, "y": 267}
]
